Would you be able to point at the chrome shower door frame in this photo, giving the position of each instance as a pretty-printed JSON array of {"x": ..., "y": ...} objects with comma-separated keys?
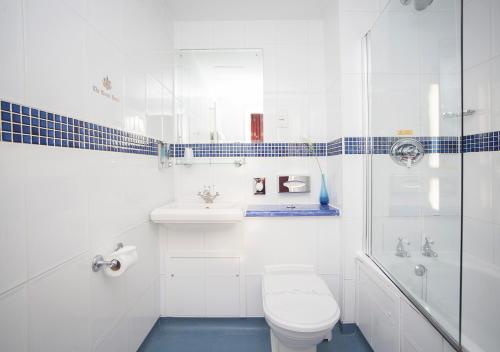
[{"x": 368, "y": 201}]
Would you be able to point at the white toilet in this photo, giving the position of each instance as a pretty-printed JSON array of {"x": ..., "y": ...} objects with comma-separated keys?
[{"x": 299, "y": 308}]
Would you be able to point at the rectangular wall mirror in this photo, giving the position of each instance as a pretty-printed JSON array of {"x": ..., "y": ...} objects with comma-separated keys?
[{"x": 219, "y": 96}]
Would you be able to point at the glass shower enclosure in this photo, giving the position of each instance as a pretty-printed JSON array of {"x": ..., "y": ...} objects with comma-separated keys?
[{"x": 414, "y": 163}]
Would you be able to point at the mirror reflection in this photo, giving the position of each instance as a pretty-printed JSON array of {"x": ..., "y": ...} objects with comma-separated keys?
[{"x": 219, "y": 96}]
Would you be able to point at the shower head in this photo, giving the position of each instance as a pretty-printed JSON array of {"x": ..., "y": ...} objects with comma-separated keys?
[{"x": 418, "y": 4}]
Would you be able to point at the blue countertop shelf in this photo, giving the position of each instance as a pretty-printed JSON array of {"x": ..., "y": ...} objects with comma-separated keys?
[{"x": 285, "y": 210}]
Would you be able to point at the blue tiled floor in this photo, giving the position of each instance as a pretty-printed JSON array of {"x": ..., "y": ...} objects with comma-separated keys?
[{"x": 234, "y": 335}]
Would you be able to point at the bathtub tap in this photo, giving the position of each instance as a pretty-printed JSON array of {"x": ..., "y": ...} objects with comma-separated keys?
[
  {"x": 427, "y": 250},
  {"x": 400, "y": 248}
]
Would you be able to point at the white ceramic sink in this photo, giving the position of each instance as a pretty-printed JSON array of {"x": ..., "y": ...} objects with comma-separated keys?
[{"x": 192, "y": 213}]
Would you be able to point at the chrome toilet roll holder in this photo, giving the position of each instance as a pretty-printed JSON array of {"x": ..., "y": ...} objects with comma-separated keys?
[{"x": 98, "y": 263}]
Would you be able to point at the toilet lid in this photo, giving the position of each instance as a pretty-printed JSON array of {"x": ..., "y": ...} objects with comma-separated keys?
[
  {"x": 301, "y": 312},
  {"x": 301, "y": 303}
]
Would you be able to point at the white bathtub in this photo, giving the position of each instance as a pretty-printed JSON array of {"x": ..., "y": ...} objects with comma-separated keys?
[
  {"x": 439, "y": 292},
  {"x": 481, "y": 306}
]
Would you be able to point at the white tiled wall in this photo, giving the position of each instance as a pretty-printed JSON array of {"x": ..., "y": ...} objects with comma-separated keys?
[
  {"x": 236, "y": 184},
  {"x": 333, "y": 96},
  {"x": 60, "y": 207},
  {"x": 416, "y": 70},
  {"x": 481, "y": 238},
  {"x": 46, "y": 264},
  {"x": 55, "y": 69},
  {"x": 481, "y": 233},
  {"x": 294, "y": 86},
  {"x": 294, "y": 69},
  {"x": 347, "y": 22},
  {"x": 481, "y": 65}
]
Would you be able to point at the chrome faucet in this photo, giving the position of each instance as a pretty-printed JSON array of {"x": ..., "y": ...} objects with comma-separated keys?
[
  {"x": 427, "y": 250},
  {"x": 208, "y": 195},
  {"x": 400, "y": 248}
]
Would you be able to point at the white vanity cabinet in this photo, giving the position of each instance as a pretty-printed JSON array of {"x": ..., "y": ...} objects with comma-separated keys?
[{"x": 216, "y": 270}]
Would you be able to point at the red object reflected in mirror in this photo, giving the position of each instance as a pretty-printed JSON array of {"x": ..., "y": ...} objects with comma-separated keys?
[{"x": 257, "y": 128}]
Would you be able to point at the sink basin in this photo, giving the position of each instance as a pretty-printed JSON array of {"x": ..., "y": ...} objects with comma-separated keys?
[{"x": 197, "y": 213}]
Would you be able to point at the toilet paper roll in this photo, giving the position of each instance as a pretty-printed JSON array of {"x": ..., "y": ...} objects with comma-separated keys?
[{"x": 126, "y": 257}]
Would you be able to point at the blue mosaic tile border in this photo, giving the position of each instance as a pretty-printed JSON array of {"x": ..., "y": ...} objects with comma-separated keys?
[
  {"x": 355, "y": 145},
  {"x": 334, "y": 147},
  {"x": 382, "y": 145},
  {"x": 481, "y": 142},
  {"x": 222, "y": 150},
  {"x": 347, "y": 145},
  {"x": 27, "y": 125}
]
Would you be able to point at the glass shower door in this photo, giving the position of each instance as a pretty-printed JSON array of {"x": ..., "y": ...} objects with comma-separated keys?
[{"x": 414, "y": 123}]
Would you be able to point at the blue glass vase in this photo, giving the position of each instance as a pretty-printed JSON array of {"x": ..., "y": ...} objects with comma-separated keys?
[{"x": 324, "y": 200}]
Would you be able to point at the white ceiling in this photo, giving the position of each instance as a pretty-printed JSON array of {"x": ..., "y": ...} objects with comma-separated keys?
[{"x": 246, "y": 9}]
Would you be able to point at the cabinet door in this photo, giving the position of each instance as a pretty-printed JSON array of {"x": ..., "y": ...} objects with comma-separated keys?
[
  {"x": 223, "y": 287},
  {"x": 364, "y": 306},
  {"x": 185, "y": 287}
]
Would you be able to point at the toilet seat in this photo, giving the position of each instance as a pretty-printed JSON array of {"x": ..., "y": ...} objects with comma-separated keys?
[{"x": 299, "y": 302}]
